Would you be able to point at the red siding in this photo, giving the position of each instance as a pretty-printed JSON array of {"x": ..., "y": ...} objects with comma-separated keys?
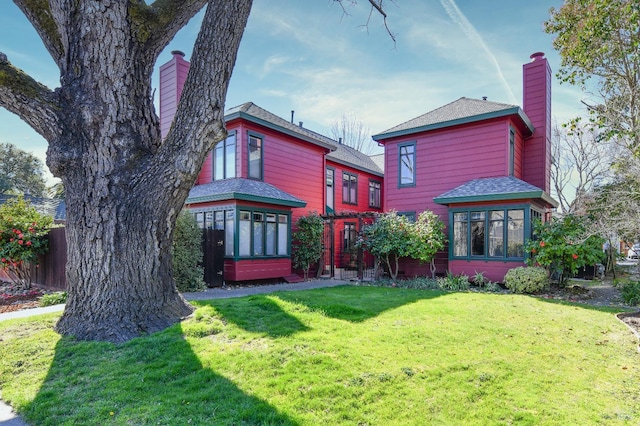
[
  {"x": 537, "y": 106},
  {"x": 446, "y": 159},
  {"x": 173, "y": 74},
  {"x": 206, "y": 174},
  {"x": 256, "y": 269}
]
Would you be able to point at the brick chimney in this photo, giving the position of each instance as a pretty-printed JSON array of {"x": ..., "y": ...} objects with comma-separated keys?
[
  {"x": 173, "y": 74},
  {"x": 536, "y": 77}
]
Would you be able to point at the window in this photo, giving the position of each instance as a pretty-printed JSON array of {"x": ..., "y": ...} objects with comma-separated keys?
[
  {"x": 229, "y": 232},
  {"x": 407, "y": 160},
  {"x": 512, "y": 151},
  {"x": 460, "y": 234},
  {"x": 224, "y": 158},
  {"x": 490, "y": 234},
  {"x": 349, "y": 188},
  {"x": 263, "y": 234},
  {"x": 220, "y": 220},
  {"x": 374, "y": 193},
  {"x": 411, "y": 216},
  {"x": 477, "y": 221},
  {"x": 255, "y": 157},
  {"x": 330, "y": 190}
]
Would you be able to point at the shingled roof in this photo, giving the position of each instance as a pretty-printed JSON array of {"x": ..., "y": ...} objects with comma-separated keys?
[
  {"x": 340, "y": 153},
  {"x": 494, "y": 189},
  {"x": 242, "y": 189},
  {"x": 54, "y": 207},
  {"x": 461, "y": 111}
]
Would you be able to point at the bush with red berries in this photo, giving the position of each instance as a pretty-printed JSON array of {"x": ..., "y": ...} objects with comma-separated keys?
[{"x": 22, "y": 238}]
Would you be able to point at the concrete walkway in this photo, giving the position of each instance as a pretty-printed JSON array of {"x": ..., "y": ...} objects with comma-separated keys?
[{"x": 9, "y": 418}]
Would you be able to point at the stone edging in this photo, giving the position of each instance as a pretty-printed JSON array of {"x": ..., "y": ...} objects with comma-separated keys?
[{"x": 621, "y": 315}]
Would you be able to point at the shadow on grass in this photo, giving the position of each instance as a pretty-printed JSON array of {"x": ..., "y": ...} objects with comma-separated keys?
[
  {"x": 150, "y": 380},
  {"x": 257, "y": 314},
  {"x": 348, "y": 303}
]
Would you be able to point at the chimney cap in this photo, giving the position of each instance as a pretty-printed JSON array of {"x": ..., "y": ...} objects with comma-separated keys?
[
  {"x": 177, "y": 52},
  {"x": 537, "y": 56}
]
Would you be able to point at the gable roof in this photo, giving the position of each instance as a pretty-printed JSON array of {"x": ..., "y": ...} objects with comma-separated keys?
[
  {"x": 494, "y": 189},
  {"x": 339, "y": 153},
  {"x": 461, "y": 111},
  {"x": 54, "y": 207},
  {"x": 242, "y": 189},
  {"x": 253, "y": 113},
  {"x": 349, "y": 156}
]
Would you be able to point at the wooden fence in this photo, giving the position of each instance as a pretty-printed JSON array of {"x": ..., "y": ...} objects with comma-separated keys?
[{"x": 50, "y": 270}]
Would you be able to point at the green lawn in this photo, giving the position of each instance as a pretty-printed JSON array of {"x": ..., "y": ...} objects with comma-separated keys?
[{"x": 346, "y": 355}]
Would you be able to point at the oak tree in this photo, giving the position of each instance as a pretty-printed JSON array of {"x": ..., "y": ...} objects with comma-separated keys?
[{"x": 124, "y": 184}]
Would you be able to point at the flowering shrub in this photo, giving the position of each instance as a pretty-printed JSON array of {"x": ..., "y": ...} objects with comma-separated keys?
[
  {"x": 526, "y": 279},
  {"x": 22, "y": 239},
  {"x": 562, "y": 246},
  {"x": 393, "y": 236}
]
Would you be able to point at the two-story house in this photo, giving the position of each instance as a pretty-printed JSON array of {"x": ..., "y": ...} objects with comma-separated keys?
[
  {"x": 266, "y": 174},
  {"x": 483, "y": 167}
]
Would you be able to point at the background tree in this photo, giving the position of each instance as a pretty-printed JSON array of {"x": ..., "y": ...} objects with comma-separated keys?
[
  {"x": 354, "y": 133},
  {"x": 124, "y": 184},
  {"x": 563, "y": 245},
  {"x": 20, "y": 172},
  {"x": 306, "y": 242},
  {"x": 599, "y": 45},
  {"x": 580, "y": 161}
]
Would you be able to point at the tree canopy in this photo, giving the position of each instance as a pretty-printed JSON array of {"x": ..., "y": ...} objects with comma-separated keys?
[
  {"x": 599, "y": 45},
  {"x": 20, "y": 172}
]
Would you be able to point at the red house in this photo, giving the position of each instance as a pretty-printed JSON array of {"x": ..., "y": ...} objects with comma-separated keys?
[
  {"x": 483, "y": 167},
  {"x": 266, "y": 174}
]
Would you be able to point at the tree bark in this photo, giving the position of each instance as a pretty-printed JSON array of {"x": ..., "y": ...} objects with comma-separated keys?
[{"x": 124, "y": 185}]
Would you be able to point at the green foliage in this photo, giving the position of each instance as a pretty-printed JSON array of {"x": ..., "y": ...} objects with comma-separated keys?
[
  {"x": 526, "y": 280},
  {"x": 454, "y": 282},
  {"x": 629, "y": 291},
  {"x": 56, "y": 298},
  {"x": 22, "y": 238},
  {"x": 307, "y": 242},
  {"x": 393, "y": 236},
  {"x": 564, "y": 245},
  {"x": 418, "y": 283},
  {"x": 187, "y": 254},
  {"x": 20, "y": 172},
  {"x": 481, "y": 359},
  {"x": 600, "y": 40}
]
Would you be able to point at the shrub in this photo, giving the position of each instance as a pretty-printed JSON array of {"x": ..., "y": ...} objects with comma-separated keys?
[
  {"x": 22, "y": 238},
  {"x": 526, "y": 279},
  {"x": 187, "y": 254},
  {"x": 51, "y": 299},
  {"x": 307, "y": 242},
  {"x": 417, "y": 283},
  {"x": 454, "y": 282},
  {"x": 630, "y": 292}
]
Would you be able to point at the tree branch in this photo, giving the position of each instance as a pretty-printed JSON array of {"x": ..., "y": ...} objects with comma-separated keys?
[
  {"x": 156, "y": 24},
  {"x": 39, "y": 13},
  {"x": 31, "y": 101}
]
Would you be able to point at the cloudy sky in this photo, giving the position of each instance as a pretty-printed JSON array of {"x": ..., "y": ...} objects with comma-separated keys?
[{"x": 311, "y": 57}]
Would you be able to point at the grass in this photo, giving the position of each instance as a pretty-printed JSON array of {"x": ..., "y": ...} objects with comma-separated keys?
[{"x": 345, "y": 355}]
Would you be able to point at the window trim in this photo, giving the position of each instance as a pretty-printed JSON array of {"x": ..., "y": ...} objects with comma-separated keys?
[
  {"x": 527, "y": 208},
  {"x": 252, "y": 134},
  {"x": 512, "y": 151},
  {"x": 333, "y": 190},
  {"x": 350, "y": 175},
  {"x": 379, "y": 193},
  {"x": 225, "y": 157},
  {"x": 415, "y": 158},
  {"x": 264, "y": 212}
]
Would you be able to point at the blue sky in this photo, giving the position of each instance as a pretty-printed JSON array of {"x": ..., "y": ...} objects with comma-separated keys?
[{"x": 308, "y": 56}]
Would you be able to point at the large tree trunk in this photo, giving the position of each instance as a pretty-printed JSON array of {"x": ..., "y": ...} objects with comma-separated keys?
[{"x": 124, "y": 185}]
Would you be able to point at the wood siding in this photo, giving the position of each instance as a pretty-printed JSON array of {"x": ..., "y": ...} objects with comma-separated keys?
[
  {"x": 537, "y": 106},
  {"x": 173, "y": 74},
  {"x": 492, "y": 270},
  {"x": 256, "y": 269}
]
